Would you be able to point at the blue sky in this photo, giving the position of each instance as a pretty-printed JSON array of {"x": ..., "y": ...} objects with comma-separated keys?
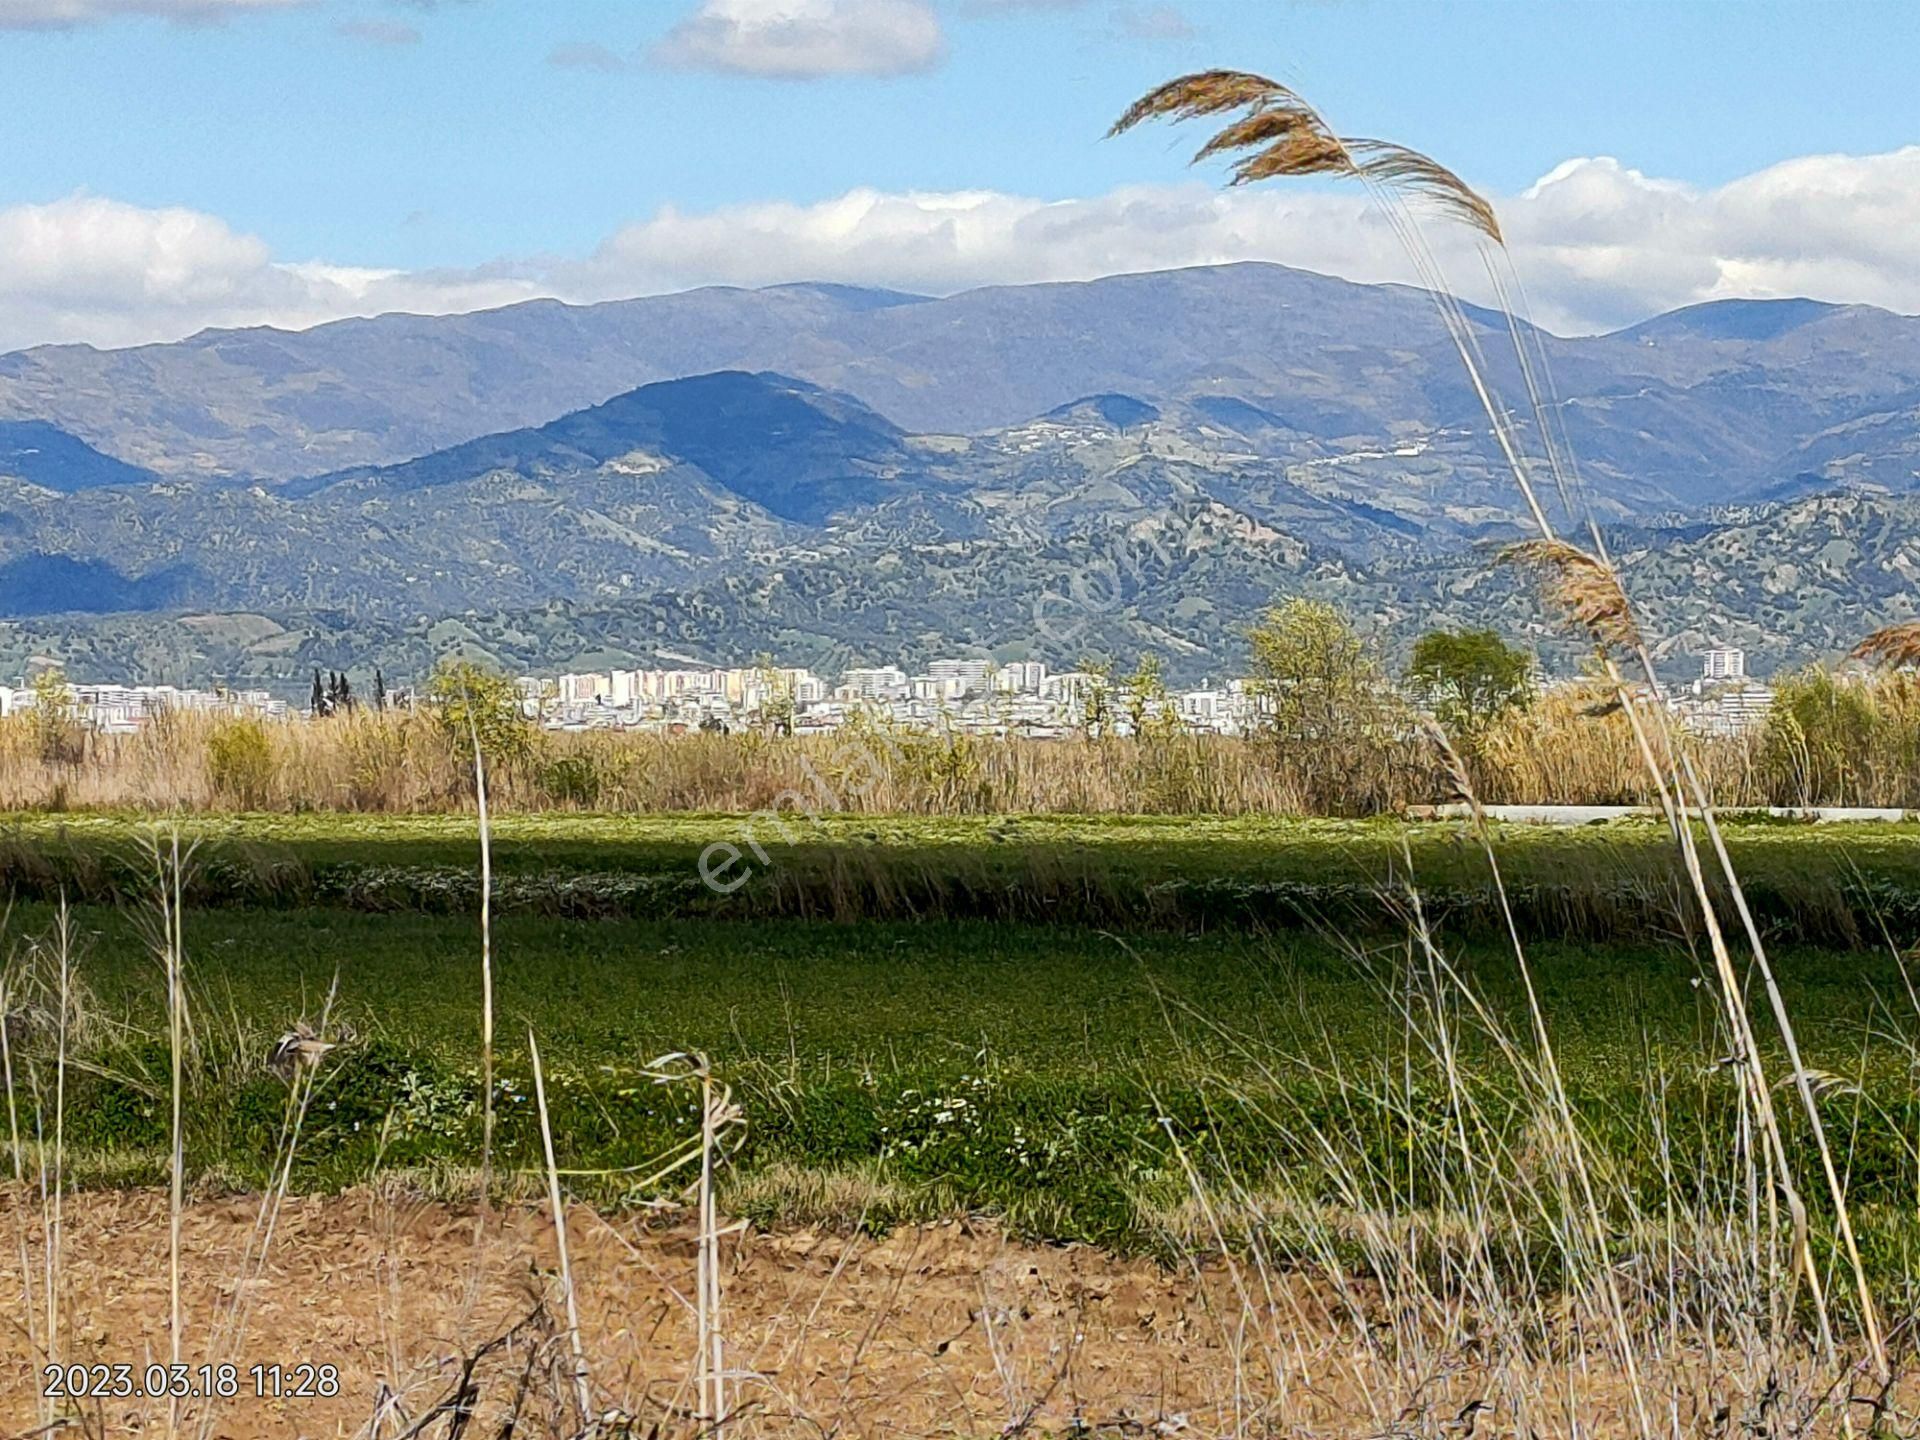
[{"x": 438, "y": 143}]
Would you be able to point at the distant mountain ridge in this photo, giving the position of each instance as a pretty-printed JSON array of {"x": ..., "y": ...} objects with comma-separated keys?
[
  {"x": 825, "y": 468},
  {"x": 799, "y": 451},
  {"x": 41, "y": 454},
  {"x": 1704, "y": 405}
]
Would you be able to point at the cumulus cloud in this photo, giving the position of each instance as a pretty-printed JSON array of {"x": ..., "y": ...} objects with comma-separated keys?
[
  {"x": 1597, "y": 244},
  {"x": 66, "y": 14},
  {"x": 805, "y": 39},
  {"x": 108, "y": 273}
]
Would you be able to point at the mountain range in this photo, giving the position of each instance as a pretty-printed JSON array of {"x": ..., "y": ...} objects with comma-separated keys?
[{"x": 827, "y": 472}]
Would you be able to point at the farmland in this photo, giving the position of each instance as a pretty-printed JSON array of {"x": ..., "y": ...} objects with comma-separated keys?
[
  {"x": 1198, "y": 1053},
  {"x": 962, "y": 1060},
  {"x": 1603, "y": 882}
]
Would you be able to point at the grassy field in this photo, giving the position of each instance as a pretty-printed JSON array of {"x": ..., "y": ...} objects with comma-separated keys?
[
  {"x": 1056, "y": 1076},
  {"x": 1028, "y": 1030},
  {"x": 1834, "y": 885}
]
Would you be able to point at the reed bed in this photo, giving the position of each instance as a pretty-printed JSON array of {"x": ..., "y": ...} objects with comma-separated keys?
[{"x": 1847, "y": 740}]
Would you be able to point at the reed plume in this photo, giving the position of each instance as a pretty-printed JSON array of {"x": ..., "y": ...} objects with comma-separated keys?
[
  {"x": 1288, "y": 137},
  {"x": 1584, "y": 586},
  {"x": 1210, "y": 92},
  {"x": 1894, "y": 646}
]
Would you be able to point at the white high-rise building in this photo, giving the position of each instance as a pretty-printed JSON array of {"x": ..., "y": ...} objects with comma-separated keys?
[
  {"x": 583, "y": 689},
  {"x": 939, "y": 689},
  {"x": 972, "y": 674},
  {"x": 881, "y": 682},
  {"x": 1020, "y": 677},
  {"x": 1727, "y": 663}
]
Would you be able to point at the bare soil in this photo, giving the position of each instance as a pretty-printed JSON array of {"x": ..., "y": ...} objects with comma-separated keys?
[{"x": 941, "y": 1330}]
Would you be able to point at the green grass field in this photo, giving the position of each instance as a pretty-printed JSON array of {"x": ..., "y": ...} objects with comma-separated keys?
[
  {"x": 1831, "y": 885},
  {"x": 1074, "y": 1078}
]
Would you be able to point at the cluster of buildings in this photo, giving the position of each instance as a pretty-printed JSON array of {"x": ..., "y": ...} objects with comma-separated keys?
[
  {"x": 122, "y": 709},
  {"x": 1723, "y": 700},
  {"x": 1022, "y": 697}
]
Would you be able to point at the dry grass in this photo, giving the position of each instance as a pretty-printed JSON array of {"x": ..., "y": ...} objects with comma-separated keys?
[
  {"x": 1584, "y": 587},
  {"x": 1852, "y": 739}
]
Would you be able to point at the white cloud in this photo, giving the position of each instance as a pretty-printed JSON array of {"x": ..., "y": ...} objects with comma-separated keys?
[
  {"x": 805, "y": 39},
  {"x": 1597, "y": 245},
  {"x": 71, "y": 14},
  {"x": 108, "y": 273},
  {"x": 66, "y": 14},
  {"x": 1008, "y": 7}
]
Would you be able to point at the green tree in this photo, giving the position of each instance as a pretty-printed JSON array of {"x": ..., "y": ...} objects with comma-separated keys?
[
  {"x": 1327, "y": 706},
  {"x": 56, "y": 722},
  {"x": 1096, "y": 699},
  {"x": 1468, "y": 678},
  {"x": 1149, "y": 712},
  {"x": 475, "y": 702},
  {"x": 776, "y": 708}
]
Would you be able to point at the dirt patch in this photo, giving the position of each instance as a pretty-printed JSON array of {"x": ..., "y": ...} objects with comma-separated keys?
[
  {"x": 947, "y": 1329},
  {"x": 439, "y": 1327}
]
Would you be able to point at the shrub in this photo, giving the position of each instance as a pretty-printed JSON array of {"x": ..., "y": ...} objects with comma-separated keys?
[
  {"x": 1841, "y": 740},
  {"x": 55, "y": 721},
  {"x": 240, "y": 765},
  {"x": 478, "y": 704},
  {"x": 578, "y": 779},
  {"x": 1334, "y": 719}
]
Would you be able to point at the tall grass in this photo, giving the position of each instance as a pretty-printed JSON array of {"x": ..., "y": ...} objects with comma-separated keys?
[
  {"x": 1850, "y": 739},
  {"x": 1288, "y": 137}
]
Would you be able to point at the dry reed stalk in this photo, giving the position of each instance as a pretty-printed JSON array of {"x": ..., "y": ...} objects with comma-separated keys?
[
  {"x": 1802, "y": 1082},
  {"x": 28, "y": 1309},
  {"x": 1538, "y": 755},
  {"x": 1600, "y": 1236},
  {"x": 229, "y": 1332},
  {"x": 1202, "y": 1198},
  {"x": 713, "y": 1374},
  {"x": 1585, "y": 584},
  {"x": 1584, "y": 587},
  {"x": 177, "y": 1156},
  {"x": 56, "y": 1268},
  {"x": 1288, "y": 137},
  {"x": 486, "y": 972},
  {"x": 582, "y": 1394},
  {"x": 1895, "y": 646}
]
